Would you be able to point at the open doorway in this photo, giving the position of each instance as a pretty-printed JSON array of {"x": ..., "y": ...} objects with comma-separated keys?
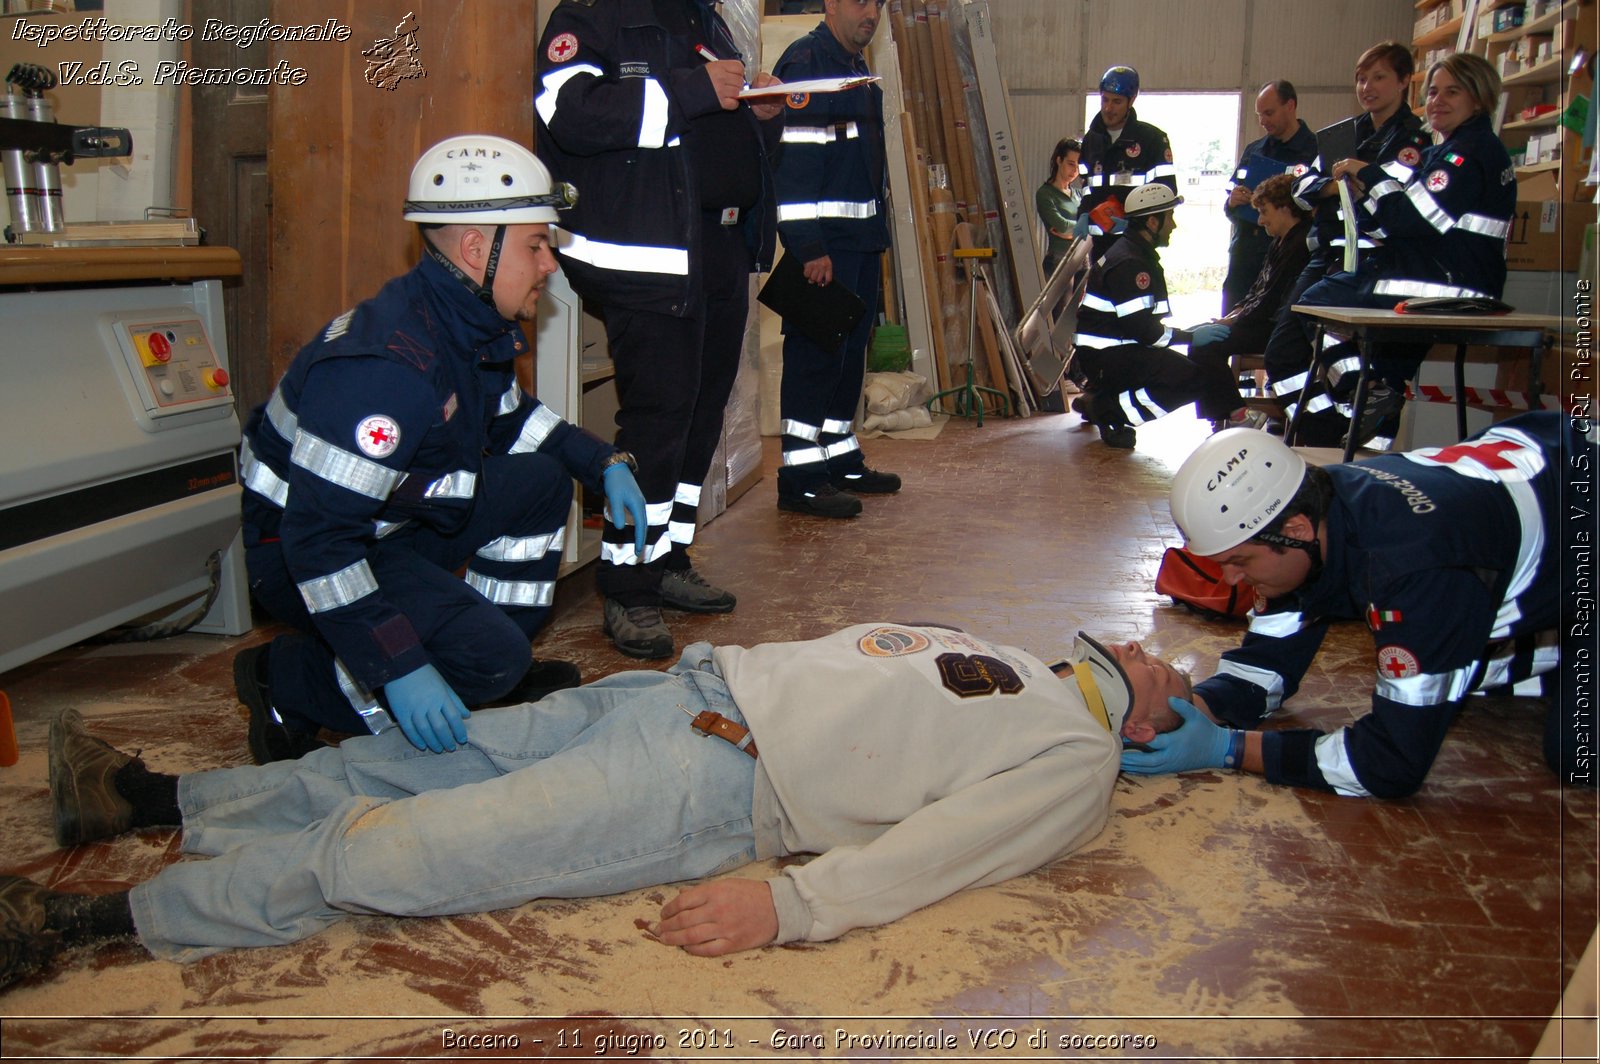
[{"x": 1204, "y": 130}]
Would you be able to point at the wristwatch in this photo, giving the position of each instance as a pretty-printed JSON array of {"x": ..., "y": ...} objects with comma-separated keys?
[{"x": 620, "y": 458}]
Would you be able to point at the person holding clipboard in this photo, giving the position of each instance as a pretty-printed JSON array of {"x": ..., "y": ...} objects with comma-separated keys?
[
  {"x": 832, "y": 220},
  {"x": 1287, "y": 147},
  {"x": 1386, "y": 134}
]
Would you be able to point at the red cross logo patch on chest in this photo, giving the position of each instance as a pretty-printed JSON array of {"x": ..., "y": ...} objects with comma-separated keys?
[
  {"x": 1438, "y": 181},
  {"x": 377, "y": 435},
  {"x": 562, "y": 47},
  {"x": 1132, "y": 151},
  {"x": 1397, "y": 663}
]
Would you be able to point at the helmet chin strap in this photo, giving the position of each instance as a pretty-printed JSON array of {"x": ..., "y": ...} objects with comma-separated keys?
[
  {"x": 484, "y": 291},
  {"x": 1311, "y": 546}
]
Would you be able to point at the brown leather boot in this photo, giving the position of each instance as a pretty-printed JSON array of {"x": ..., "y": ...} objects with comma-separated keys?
[
  {"x": 82, "y": 783},
  {"x": 26, "y": 944}
]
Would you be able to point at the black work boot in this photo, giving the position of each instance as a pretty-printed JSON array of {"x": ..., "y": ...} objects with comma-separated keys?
[
  {"x": 865, "y": 481},
  {"x": 544, "y": 676},
  {"x": 823, "y": 500},
  {"x": 269, "y": 738}
]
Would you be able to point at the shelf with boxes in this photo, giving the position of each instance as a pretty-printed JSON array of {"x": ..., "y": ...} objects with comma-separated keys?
[{"x": 1531, "y": 44}]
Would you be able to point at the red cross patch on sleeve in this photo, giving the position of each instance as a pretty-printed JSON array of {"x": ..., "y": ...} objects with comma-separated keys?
[
  {"x": 1409, "y": 156},
  {"x": 1397, "y": 663},
  {"x": 1438, "y": 181},
  {"x": 562, "y": 47},
  {"x": 378, "y": 435},
  {"x": 1143, "y": 280}
]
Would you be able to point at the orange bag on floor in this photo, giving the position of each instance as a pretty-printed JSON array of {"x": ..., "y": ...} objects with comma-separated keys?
[{"x": 1196, "y": 582}]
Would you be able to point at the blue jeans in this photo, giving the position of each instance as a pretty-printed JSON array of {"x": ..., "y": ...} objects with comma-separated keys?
[{"x": 594, "y": 790}]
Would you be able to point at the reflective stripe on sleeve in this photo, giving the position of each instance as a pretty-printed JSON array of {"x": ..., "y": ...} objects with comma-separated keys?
[
  {"x": 625, "y": 258},
  {"x": 1429, "y": 208},
  {"x": 461, "y": 484},
  {"x": 688, "y": 494},
  {"x": 804, "y": 212},
  {"x": 1427, "y": 689},
  {"x": 541, "y": 422},
  {"x": 820, "y": 134},
  {"x": 350, "y": 584},
  {"x": 1268, "y": 681},
  {"x": 362, "y": 700},
  {"x": 343, "y": 468},
  {"x": 259, "y": 477},
  {"x": 553, "y": 80}
]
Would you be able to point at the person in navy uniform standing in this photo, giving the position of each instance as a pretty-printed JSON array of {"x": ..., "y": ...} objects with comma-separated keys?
[
  {"x": 399, "y": 447},
  {"x": 833, "y": 216},
  {"x": 637, "y": 103},
  {"x": 1120, "y": 153}
]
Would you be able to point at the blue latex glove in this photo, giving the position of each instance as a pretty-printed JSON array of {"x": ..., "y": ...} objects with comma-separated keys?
[
  {"x": 1120, "y": 225},
  {"x": 1080, "y": 226},
  {"x": 1199, "y": 743},
  {"x": 1210, "y": 333},
  {"x": 625, "y": 499},
  {"x": 428, "y": 711}
]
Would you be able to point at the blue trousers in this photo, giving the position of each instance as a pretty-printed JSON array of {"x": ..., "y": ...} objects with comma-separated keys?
[
  {"x": 591, "y": 791},
  {"x": 822, "y": 387},
  {"x": 479, "y": 647}
]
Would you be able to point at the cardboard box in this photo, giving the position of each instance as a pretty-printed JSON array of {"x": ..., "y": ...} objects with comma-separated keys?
[
  {"x": 1547, "y": 235},
  {"x": 1536, "y": 188}
]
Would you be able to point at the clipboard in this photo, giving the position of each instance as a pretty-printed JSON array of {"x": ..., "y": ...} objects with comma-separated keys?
[
  {"x": 1257, "y": 168},
  {"x": 1338, "y": 141},
  {"x": 824, "y": 313}
]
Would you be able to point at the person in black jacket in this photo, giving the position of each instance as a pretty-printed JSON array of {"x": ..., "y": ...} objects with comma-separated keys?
[
  {"x": 1389, "y": 136},
  {"x": 638, "y": 104},
  {"x": 832, "y": 215},
  {"x": 1120, "y": 153},
  {"x": 1446, "y": 228},
  {"x": 1125, "y": 349}
]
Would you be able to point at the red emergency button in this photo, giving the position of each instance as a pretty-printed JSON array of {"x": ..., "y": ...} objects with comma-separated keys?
[
  {"x": 160, "y": 347},
  {"x": 216, "y": 378}
]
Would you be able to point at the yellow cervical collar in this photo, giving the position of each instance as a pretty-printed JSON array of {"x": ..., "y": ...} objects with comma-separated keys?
[{"x": 1091, "y": 693}]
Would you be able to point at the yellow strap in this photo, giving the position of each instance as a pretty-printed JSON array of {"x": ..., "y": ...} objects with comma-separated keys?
[{"x": 1091, "y": 693}]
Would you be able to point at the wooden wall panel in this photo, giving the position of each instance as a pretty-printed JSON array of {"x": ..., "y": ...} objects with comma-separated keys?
[{"x": 342, "y": 148}]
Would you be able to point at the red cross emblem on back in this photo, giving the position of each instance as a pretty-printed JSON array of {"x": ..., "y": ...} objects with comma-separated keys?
[{"x": 1487, "y": 454}]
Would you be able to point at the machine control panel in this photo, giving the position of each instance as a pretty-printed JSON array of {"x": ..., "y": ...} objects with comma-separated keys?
[{"x": 173, "y": 364}]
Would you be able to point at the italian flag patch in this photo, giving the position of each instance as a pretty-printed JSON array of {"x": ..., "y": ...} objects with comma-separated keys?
[
  {"x": 1377, "y": 618},
  {"x": 1453, "y": 159}
]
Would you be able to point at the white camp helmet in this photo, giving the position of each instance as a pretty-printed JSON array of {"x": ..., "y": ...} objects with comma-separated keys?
[
  {"x": 1232, "y": 487},
  {"x": 479, "y": 178},
  {"x": 1152, "y": 198}
]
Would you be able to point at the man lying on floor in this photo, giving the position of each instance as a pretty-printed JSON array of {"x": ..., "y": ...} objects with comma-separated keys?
[{"x": 916, "y": 761}]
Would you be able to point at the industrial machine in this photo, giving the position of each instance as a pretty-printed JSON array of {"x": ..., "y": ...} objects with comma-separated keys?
[{"x": 119, "y": 496}]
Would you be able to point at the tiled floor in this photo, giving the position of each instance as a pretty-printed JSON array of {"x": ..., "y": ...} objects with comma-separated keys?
[{"x": 1215, "y": 914}]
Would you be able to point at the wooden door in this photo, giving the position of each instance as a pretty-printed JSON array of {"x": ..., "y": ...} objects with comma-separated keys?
[{"x": 232, "y": 197}]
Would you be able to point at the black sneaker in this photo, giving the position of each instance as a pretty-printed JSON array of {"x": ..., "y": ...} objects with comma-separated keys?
[
  {"x": 824, "y": 500},
  {"x": 1380, "y": 415},
  {"x": 1080, "y": 403},
  {"x": 269, "y": 738},
  {"x": 866, "y": 482},
  {"x": 1122, "y": 437},
  {"x": 687, "y": 590},
  {"x": 544, "y": 676},
  {"x": 637, "y": 631}
]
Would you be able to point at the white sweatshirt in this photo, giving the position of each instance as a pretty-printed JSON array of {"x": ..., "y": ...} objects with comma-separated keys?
[{"x": 916, "y": 761}]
